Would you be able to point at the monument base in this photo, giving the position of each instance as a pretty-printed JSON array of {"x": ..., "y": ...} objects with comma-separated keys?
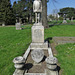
[{"x": 39, "y": 45}]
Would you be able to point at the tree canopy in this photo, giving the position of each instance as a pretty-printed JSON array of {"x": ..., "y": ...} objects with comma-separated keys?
[
  {"x": 70, "y": 12},
  {"x": 21, "y": 9},
  {"x": 6, "y": 12}
]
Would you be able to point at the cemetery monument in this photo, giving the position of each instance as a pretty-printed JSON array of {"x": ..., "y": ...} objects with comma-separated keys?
[{"x": 38, "y": 58}]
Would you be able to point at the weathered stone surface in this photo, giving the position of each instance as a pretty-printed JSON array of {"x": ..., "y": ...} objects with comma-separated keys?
[
  {"x": 51, "y": 62},
  {"x": 26, "y": 53},
  {"x": 51, "y": 66},
  {"x": 18, "y": 72},
  {"x": 50, "y": 52},
  {"x": 35, "y": 74},
  {"x": 63, "y": 40},
  {"x": 18, "y": 26},
  {"x": 19, "y": 62},
  {"x": 50, "y": 72},
  {"x": 37, "y": 55},
  {"x": 37, "y": 34},
  {"x": 39, "y": 45}
]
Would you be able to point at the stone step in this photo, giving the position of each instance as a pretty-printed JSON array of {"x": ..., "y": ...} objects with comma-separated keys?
[{"x": 35, "y": 74}]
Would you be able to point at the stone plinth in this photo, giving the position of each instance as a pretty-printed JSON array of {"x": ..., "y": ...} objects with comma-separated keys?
[
  {"x": 18, "y": 26},
  {"x": 37, "y": 34},
  {"x": 38, "y": 45}
]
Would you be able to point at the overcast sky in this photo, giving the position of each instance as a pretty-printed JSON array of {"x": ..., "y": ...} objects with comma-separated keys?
[{"x": 56, "y": 5}]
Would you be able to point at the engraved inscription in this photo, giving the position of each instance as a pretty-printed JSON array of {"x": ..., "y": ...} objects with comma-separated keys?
[{"x": 37, "y": 33}]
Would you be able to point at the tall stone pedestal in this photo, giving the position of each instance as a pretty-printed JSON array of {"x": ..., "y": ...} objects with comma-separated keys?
[{"x": 38, "y": 36}]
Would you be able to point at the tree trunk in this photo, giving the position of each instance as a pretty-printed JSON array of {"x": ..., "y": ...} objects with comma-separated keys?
[{"x": 44, "y": 13}]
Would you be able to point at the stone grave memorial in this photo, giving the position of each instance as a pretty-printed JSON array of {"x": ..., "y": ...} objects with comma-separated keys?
[
  {"x": 18, "y": 25},
  {"x": 38, "y": 58},
  {"x": 64, "y": 19},
  {"x": 3, "y": 24}
]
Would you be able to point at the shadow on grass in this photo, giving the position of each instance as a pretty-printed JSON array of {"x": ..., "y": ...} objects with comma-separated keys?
[{"x": 56, "y": 23}]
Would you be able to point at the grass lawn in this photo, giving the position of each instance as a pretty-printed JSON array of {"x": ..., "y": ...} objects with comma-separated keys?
[
  {"x": 14, "y": 43},
  {"x": 60, "y": 30},
  {"x": 66, "y": 58}
]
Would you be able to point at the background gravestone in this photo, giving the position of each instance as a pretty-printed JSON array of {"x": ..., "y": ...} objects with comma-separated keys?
[{"x": 18, "y": 26}]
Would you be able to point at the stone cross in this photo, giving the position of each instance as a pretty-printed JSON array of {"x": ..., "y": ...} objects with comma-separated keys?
[{"x": 37, "y": 9}]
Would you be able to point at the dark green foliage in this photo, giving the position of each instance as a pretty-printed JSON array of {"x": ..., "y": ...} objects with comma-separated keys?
[
  {"x": 70, "y": 12},
  {"x": 24, "y": 9},
  {"x": 6, "y": 12}
]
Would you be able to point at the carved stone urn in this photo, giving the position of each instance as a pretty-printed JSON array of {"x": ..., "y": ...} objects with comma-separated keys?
[
  {"x": 19, "y": 62},
  {"x": 51, "y": 63}
]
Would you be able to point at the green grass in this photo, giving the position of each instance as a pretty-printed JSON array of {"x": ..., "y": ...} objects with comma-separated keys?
[
  {"x": 60, "y": 30},
  {"x": 66, "y": 58},
  {"x": 15, "y": 42},
  {"x": 12, "y": 43}
]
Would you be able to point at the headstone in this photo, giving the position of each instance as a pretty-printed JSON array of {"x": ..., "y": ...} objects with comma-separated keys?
[
  {"x": 18, "y": 26},
  {"x": 3, "y": 24},
  {"x": 64, "y": 21},
  {"x": 72, "y": 19},
  {"x": 37, "y": 55}
]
